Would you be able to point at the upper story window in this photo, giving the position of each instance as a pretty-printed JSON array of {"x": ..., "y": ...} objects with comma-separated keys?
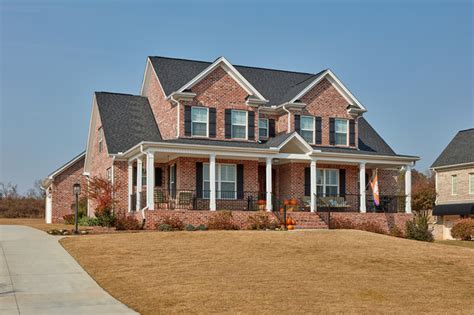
[
  {"x": 341, "y": 131},
  {"x": 199, "y": 121},
  {"x": 239, "y": 124},
  {"x": 101, "y": 138},
  {"x": 307, "y": 128},
  {"x": 471, "y": 183},
  {"x": 263, "y": 128},
  {"x": 108, "y": 174},
  {"x": 327, "y": 182},
  {"x": 226, "y": 181},
  {"x": 454, "y": 184}
]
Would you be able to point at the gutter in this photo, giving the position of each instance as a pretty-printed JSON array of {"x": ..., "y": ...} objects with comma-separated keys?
[{"x": 172, "y": 99}]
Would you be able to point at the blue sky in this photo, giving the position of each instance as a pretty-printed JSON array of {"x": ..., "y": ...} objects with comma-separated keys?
[{"x": 409, "y": 63}]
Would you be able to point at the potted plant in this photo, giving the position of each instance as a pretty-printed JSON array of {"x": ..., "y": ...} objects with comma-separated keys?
[{"x": 261, "y": 204}]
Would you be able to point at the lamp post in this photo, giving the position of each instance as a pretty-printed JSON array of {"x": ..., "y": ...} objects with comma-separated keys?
[{"x": 76, "y": 189}]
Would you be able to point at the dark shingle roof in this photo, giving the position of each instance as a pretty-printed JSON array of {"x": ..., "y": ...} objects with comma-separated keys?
[
  {"x": 460, "y": 150},
  {"x": 126, "y": 120},
  {"x": 277, "y": 86}
]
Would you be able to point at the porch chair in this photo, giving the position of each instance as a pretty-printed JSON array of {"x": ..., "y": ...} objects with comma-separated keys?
[
  {"x": 161, "y": 198},
  {"x": 332, "y": 202},
  {"x": 185, "y": 198}
]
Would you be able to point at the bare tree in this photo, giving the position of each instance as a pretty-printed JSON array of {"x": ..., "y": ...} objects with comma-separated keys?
[{"x": 8, "y": 190}]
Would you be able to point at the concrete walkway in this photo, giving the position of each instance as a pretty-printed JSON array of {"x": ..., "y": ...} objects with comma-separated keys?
[{"x": 38, "y": 276}]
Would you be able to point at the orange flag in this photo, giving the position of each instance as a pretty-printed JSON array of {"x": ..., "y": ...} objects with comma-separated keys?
[{"x": 375, "y": 189}]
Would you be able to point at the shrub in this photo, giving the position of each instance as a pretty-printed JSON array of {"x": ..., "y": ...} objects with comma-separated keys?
[
  {"x": 20, "y": 207},
  {"x": 396, "y": 231},
  {"x": 105, "y": 218},
  {"x": 164, "y": 227},
  {"x": 201, "y": 227},
  {"x": 418, "y": 228},
  {"x": 222, "y": 221},
  {"x": 190, "y": 227},
  {"x": 371, "y": 226},
  {"x": 127, "y": 223},
  {"x": 176, "y": 223},
  {"x": 348, "y": 224},
  {"x": 68, "y": 218},
  {"x": 463, "y": 229},
  {"x": 260, "y": 221},
  {"x": 342, "y": 223},
  {"x": 88, "y": 221}
]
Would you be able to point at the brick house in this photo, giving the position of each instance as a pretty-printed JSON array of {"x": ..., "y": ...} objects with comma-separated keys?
[
  {"x": 211, "y": 135},
  {"x": 454, "y": 171}
]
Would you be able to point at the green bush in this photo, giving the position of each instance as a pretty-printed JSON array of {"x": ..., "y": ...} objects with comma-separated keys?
[
  {"x": 190, "y": 227},
  {"x": 222, "y": 220},
  {"x": 105, "y": 218},
  {"x": 127, "y": 223},
  {"x": 463, "y": 230},
  {"x": 164, "y": 227},
  {"x": 418, "y": 228},
  {"x": 201, "y": 227},
  {"x": 88, "y": 221}
]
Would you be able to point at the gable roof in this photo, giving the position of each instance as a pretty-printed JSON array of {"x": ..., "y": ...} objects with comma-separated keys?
[
  {"x": 459, "y": 151},
  {"x": 66, "y": 165},
  {"x": 277, "y": 86},
  {"x": 126, "y": 120}
]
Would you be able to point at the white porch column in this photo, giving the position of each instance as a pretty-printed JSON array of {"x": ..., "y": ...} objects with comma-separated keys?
[
  {"x": 139, "y": 182},
  {"x": 150, "y": 181},
  {"x": 408, "y": 189},
  {"x": 313, "y": 171},
  {"x": 130, "y": 185},
  {"x": 268, "y": 182},
  {"x": 363, "y": 208},
  {"x": 212, "y": 180}
]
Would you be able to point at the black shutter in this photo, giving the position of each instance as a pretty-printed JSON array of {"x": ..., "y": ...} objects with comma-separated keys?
[
  {"x": 228, "y": 123},
  {"x": 297, "y": 124},
  {"x": 342, "y": 182},
  {"x": 352, "y": 133},
  {"x": 158, "y": 176},
  {"x": 319, "y": 130},
  {"x": 212, "y": 122},
  {"x": 251, "y": 125},
  {"x": 307, "y": 181},
  {"x": 271, "y": 127},
  {"x": 134, "y": 175},
  {"x": 175, "y": 176},
  {"x": 199, "y": 179},
  {"x": 240, "y": 181},
  {"x": 187, "y": 120},
  {"x": 332, "y": 135}
]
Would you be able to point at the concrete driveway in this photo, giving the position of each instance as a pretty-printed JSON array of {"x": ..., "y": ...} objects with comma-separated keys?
[{"x": 38, "y": 276}]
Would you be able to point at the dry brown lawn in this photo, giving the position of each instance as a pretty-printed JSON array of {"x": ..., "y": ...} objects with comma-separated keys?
[
  {"x": 468, "y": 244},
  {"x": 38, "y": 223},
  {"x": 278, "y": 272}
]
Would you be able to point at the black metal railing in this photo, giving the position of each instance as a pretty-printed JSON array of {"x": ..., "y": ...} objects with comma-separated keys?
[{"x": 351, "y": 203}]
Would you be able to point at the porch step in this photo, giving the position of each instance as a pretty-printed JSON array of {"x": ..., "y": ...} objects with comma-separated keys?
[{"x": 307, "y": 220}]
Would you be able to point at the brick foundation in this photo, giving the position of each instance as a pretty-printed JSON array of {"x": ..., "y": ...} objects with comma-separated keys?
[{"x": 385, "y": 220}]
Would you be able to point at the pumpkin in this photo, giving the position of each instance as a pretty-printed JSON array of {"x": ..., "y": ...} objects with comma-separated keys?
[
  {"x": 290, "y": 227},
  {"x": 286, "y": 202},
  {"x": 289, "y": 221},
  {"x": 293, "y": 201}
]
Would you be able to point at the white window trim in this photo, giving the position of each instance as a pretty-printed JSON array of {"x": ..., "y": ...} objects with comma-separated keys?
[
  {"x": 101, "y": 139},
  {"x": 347, "y": 132},
  {"x": 246, "y": 124},
  {"x": 454, "y": 180},
  {"x": 219, "y": 181},
  {"x": 268, "y": 127},
  {"x": 171, "y": 181},
  {"x": 314, "y": 128},
  {"x": 324, "y": 180},
  {"x": 207, "y": 122},
  {"x": 471, "y": 183}
]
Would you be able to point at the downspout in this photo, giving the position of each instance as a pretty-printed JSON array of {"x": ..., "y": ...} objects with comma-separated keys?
[
  {"x": 289, "y": 118},
  {"x": 177, "y": 114},
  {"x": 146, "y": 206}
]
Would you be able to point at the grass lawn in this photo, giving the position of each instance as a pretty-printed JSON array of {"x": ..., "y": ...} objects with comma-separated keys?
[
  {"x": 35, "y": 223},
  {"x": 468, "y": 244},
  {"x": 282, "y": 272}
]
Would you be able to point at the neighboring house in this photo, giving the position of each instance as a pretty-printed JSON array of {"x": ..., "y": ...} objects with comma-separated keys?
[
  {"x": 212, "y": 136},
  {"x": 454, "y": 170}
]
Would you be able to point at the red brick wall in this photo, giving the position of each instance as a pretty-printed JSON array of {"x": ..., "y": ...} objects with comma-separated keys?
[
  {"x": 121, "y": 184},
  {"x": 62, "y": 196}
]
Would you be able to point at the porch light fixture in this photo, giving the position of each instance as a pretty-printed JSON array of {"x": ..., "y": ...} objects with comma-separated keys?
[{"x": 76, "y": 189}]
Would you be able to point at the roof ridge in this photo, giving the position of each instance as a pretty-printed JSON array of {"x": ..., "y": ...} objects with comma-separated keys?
[
  {"x": 242, "y": 66},
  {"x": 463, "y": 130},
  {"x": 118, "y": 93}
]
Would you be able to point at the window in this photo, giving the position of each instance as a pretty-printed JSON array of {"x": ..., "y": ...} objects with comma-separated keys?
[
  {"x": 108, "y": 174},
  {"x": 144, "y": 175},
  {"x": 226, "y": 181},
  {"x": 341, "y": 131},
  {"x": 471, "y": 183},
  {"x": 327, "y": 182},
  {"x": 263, "y": 128},
  {"x": 101, "y": 138},
  {"x": 307, "y": 128},
  {"x": 239, "y": 124},
  {"x": 199, "y": 121},
  {"x": 454, "y": 184}
]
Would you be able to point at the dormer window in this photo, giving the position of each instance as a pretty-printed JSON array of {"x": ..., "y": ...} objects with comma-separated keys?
[
  {"x": 239, "y": 124},
  {"x": 199, "y": 121},
  {"x": 263, "y": 128},
  {"x": 341, "y": 131},
  {"x": 307, "y": 129}
]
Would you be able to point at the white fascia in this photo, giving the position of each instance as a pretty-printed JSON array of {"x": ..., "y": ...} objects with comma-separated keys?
[
  {"x": 230, "y": 69},
  {"x": 447, "y": 167},
  {"x": 356, "y": 158},
  {"x": 351, "y": 99},
  {"x": 295, "y": 135}
]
